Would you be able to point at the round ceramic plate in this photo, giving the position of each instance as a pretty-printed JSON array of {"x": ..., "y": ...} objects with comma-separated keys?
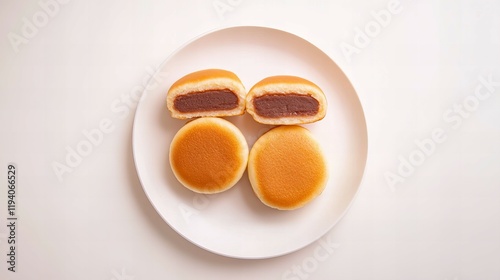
[{"x": 235, "y": 223}]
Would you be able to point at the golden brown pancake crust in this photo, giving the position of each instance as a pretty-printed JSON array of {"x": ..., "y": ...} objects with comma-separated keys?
[
  {"x": 287, "y": 168},
  {"x": 202, "y": 75},
  {"x": 208, "y": 155},
  {"x": 284, "y": 79}
]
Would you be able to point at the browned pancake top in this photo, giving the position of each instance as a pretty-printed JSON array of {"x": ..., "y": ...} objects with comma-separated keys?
[
  {"x": 206, "y": 156},
  {"x": 289, "y": 167},
  {"x": 207, "y": 74},
  {"x": 284, "y": 79}
]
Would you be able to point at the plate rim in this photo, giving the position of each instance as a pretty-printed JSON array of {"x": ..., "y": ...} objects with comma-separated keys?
[{"x": 364, "y": 130}]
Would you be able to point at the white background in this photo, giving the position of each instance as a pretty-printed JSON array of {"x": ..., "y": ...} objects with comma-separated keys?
[{"x": 442, "y": 222}]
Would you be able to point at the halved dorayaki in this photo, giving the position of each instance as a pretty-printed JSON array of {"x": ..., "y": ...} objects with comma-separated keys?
[
  {"x": 286, "y": 100},
  {"x": 206, "y": 93}
]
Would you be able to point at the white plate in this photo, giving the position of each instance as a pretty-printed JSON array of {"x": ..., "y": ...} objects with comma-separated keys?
[{"x": 235, "y": 223}]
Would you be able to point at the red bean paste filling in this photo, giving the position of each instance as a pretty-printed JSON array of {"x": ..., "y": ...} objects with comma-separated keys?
[
  {"x": 210, "y": 100},
  {"x": 285, "y": 105}
]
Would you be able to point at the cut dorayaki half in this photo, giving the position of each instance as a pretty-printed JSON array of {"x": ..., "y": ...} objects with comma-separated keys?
[
  {"x": 286, "y": 100},
  {"x": 206, "y": 93}
]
